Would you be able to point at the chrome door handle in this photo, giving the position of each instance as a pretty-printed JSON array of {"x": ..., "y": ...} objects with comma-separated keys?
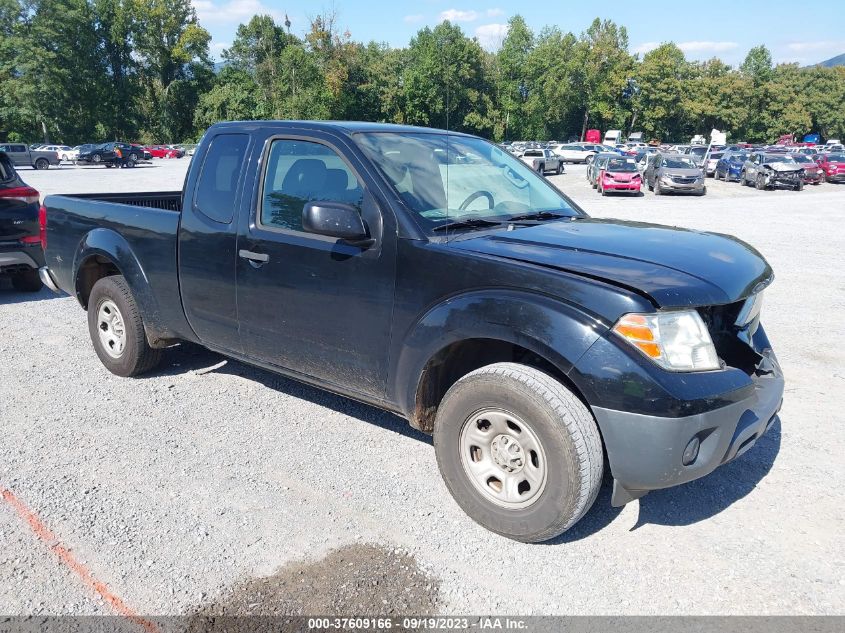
[{"x": 254, "y": 258}]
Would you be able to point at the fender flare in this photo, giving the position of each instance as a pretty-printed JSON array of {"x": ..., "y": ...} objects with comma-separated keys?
[
  {"x": 112, "y": 246},
  {"x": 557, "y": 331}
]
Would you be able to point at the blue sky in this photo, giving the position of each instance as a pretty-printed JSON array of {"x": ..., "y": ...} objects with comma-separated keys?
[{"x": 723, "y": 28}]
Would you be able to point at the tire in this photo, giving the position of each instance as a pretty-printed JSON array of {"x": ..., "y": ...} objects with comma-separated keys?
[
  {"x": 541, "y": 170},
  {"x": 799, "y": 186},
  {"x": 761, "y": 182},
  {"x": 28, "y": 281},
  {"x": 589, "y": 159},
  {"x": 559, "y": 170},
  {"x": 42, "y": 163},
  {"x": 567, "y": 451},
  {"x": 109, "y": 165},
  {"x": 135, "y": 357},
  {"x": 131, "y": 161},
  {"x": 96, "y": 158},
  {"x": 657, "y": 190}
]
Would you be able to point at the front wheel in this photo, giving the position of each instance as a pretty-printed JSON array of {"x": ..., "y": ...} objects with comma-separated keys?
[
  {"x": 117, "y": 329},
  {"x": 559, "y": 170},
  {"x": 761, "y": 182},
  {"x": 519, "y": 452}
]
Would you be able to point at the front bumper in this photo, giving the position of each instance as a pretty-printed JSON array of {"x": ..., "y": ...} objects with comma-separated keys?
[
  {"x": 838, "y": 176},
  {"x": 647, "y": 452},
  {"x": 612, "y": 185},
  {"x": 677, "y": 187}
]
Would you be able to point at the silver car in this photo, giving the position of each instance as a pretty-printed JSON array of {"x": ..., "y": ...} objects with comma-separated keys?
[
  {"x": 772, "y": 171},
  {"x": 674, "y": 173},
  {"x": 597, "y": 164}
]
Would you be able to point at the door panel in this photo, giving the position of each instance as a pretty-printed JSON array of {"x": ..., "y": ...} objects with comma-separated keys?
[
  {"x": 309, "y": 303},
  {"x": 208, "y": 243}
]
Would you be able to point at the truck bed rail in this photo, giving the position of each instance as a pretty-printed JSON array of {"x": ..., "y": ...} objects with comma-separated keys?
[{"x": 164, "y": 200}]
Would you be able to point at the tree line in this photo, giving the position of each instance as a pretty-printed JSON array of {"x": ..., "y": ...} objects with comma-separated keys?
[{"x": 79, "y": 70}]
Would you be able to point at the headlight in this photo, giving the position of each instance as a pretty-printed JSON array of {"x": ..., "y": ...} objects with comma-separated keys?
[{"x": 677, "y": 341}]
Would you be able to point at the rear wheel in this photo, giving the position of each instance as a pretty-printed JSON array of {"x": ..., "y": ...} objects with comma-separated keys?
[
  {"x": 42, "y": 163},
  {"x": 130, "y": 162},
  {"x": 117, "y": 329},
  {"x": 27, "y": 281},
  {"x": 519, "y": 452},
  {"x": 96, "y": 158}
]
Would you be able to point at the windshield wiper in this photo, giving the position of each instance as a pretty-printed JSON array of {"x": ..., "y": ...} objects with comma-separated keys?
[
  {"x": 469, "y": 223},
  {"x": 539, "y": 216}
]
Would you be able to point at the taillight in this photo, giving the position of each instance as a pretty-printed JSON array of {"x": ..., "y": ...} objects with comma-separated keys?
[
  {"x": 42, "y": 227},
  {"x": 24, "y": 194}
]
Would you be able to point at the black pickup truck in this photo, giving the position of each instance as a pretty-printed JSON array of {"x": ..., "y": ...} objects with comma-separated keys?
[{"x": 433, "y": 275}]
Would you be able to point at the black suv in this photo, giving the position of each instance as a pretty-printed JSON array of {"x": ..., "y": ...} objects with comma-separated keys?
[{"x": 21, "y": 229}]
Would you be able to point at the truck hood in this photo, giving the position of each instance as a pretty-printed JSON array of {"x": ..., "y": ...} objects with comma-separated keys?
[{"x": 674, "y": 267}]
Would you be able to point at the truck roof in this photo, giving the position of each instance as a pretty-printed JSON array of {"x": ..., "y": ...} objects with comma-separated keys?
[{"x": 347, "y": 127}]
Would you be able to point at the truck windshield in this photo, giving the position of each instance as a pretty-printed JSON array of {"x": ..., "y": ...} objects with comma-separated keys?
[{"x": 445, "y": 179}]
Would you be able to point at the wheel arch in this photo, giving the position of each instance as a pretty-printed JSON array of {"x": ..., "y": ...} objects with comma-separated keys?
[
  {"x": 103, "y": 253},
  {"x": 480, "y": 328}
]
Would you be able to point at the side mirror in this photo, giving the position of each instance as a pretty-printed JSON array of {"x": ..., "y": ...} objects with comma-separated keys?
[{"x": 336, "y": 219}]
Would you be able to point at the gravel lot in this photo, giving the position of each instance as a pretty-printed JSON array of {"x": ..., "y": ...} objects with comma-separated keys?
[{"x": 210, "y": 480}]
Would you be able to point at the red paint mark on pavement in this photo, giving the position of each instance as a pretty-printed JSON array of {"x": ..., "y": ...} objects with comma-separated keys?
[{"x": 68, "y": 560}]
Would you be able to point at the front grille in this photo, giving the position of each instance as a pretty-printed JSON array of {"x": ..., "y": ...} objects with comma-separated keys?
[{"x": 683, "y": 181}]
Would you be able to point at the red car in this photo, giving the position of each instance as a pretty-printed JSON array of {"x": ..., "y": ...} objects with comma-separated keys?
[
  {"x": 833, "y": 166},
  {"x": 161, "y": 151},
  {"x": 619, "y": 174},
  {"x": 813, "y": 174}
]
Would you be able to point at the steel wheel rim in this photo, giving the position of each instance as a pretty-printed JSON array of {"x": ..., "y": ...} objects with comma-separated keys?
[
  {"x": 503, "y": 458},
  {"x": 111, "y": 329}
]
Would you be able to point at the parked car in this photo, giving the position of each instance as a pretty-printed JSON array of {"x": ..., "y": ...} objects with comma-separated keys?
[
  {"x": 709, "y": 166},
  {"x": 674, "y": 173},
  {"x": 542, "y": 161},
  {"x": 765, "y": 170},
  {"x": 21, "y": 230},
  {"x": 833, "y": 166},
  {"x": 161, "y": 151},
  {"x": 729, "y": 166},
  {"x": 813, "y": 174},
  {"x": 642, "y": 157},
  {"x": 596, "y": 165},
  {"x": 534, "y": 344},
  {"x": 105, "y": 154},
  {"x": 619, "y": 175},
  {"x": 22, "y": 156},
  {"x": 64, "y": 152},
  {"x": 576, "y": 152}
]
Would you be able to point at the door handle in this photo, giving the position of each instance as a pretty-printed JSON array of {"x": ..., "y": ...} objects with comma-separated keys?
[{"x": 255, "y": 259}]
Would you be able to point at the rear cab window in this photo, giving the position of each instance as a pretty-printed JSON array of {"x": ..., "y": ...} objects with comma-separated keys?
[{"x": 217, "y": 185}]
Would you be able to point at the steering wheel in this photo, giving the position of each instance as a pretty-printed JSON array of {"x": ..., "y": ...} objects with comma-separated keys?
[{"x": 478, "y": 194}]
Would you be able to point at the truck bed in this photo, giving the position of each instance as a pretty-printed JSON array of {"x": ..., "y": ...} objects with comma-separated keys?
[{"x": 138, "y": 230}]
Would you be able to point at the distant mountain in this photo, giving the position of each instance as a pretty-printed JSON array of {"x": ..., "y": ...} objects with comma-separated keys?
[{"x": 839, "y": 60}]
